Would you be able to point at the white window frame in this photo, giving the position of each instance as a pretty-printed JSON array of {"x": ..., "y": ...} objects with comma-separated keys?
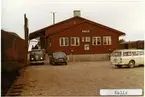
[
  {"x": 83, "y": 39},
  {"x": 85, "y": 31},
  {"x": 86, "y": 47},
  {"x": 107, "y": 39},
  {"x": 76, "y": 39},
  {"x": 87, "y": 39},
  {"x": 65, "y": 41},
  {"x": 96, "y": 39}
]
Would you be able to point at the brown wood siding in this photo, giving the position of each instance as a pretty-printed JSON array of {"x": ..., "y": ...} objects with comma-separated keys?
[
  {"x": 63, "y": 25},
  {"x": 77, "y": 32},
  {"x": 42, "y": 42},
  {"x": 132, "y": 44}
]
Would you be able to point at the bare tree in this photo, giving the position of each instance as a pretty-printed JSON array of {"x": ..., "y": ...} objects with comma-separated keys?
[{"x": 122, "y": 41}]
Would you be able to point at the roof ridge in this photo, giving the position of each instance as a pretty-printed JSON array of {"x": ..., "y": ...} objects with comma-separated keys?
[
  {"x": 84, "y": 20},
  {"x": 68, "y": 27},
  {"x": 57, "y": 23}
]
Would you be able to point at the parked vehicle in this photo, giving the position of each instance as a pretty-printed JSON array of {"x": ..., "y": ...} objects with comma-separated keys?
[
  {"x": 37, "y": 56},
  {"x": 58, "y": 57},
  {"x": 127, "y": 57}
]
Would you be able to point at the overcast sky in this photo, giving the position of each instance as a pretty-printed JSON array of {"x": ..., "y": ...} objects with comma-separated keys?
[{"x": 127, "y": 16}]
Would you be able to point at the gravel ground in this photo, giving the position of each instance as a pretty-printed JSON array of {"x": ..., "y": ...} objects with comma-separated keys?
[{"x": 78, "y": 79}]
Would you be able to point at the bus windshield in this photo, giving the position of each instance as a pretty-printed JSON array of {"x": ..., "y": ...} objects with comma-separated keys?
[{"x": 116, "y": 54}]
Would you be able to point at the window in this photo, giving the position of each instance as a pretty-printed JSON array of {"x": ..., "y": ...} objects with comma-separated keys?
[
  {"x": 141, "y": 52},
  {"x": 96, "y": 40},
  {"x": 64, "y": 41},
  {"x": 126, "y": 53},
  {"x": 134, "y": 53},
  {"x": 83, "y": 39},
  {"x": 116, "y": 54},
  {"x": 85, "y": 31},
  {"x": 75, "y": 41},
  {"x": 86, "y": 47},
  {"x": 107, "y": 40},
  {"x": 86, "y": 39}
]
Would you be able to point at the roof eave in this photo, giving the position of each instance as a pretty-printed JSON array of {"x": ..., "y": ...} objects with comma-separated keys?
[{"x": 37, "y": 34}]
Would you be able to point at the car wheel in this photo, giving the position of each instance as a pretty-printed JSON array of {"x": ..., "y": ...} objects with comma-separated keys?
[
  {"x": 51, "y": 62},
  {"x": 131, "y": 64},
  {"x": 65, "y": 63}
]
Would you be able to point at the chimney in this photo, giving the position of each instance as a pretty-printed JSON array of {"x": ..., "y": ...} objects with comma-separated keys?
[{"x": 77, "y": 13}]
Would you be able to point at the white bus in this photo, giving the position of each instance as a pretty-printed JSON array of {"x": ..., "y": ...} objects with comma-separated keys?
[{"x": 127, "y": 57}]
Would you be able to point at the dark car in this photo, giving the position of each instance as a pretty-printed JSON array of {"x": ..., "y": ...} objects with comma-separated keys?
[
  {"x": 58, "y": 57},
  {"x": 37, "y": 56}
]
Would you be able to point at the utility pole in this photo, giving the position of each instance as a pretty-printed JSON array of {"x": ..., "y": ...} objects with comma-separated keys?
[
  {"x": 26, "y": 33},
  {"x": 53, "y": 13}
]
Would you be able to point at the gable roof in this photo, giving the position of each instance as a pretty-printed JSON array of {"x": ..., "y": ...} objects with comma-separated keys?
[{"x": 41, "y": 32}]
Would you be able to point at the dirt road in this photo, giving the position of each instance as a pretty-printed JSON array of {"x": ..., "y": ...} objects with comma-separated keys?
[{"x": 79, "y": 78}]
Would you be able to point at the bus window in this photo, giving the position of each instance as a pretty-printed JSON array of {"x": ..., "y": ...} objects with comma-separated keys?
[
  {"x": 126, "y": 53},
  {"x": 116, "y": 54},
  {"x": 141, "y": 52},
  {"x": 134, "y": 53}
]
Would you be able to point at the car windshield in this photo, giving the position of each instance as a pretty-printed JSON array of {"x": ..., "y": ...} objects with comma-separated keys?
[
  {"x": 38, "y": 52},
  {"x": 115, "y": 54},
  {"x": 59, "y": 54}
]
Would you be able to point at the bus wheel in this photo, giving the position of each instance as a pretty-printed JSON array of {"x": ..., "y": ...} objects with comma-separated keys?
[{"x": 131, "y": 64}]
